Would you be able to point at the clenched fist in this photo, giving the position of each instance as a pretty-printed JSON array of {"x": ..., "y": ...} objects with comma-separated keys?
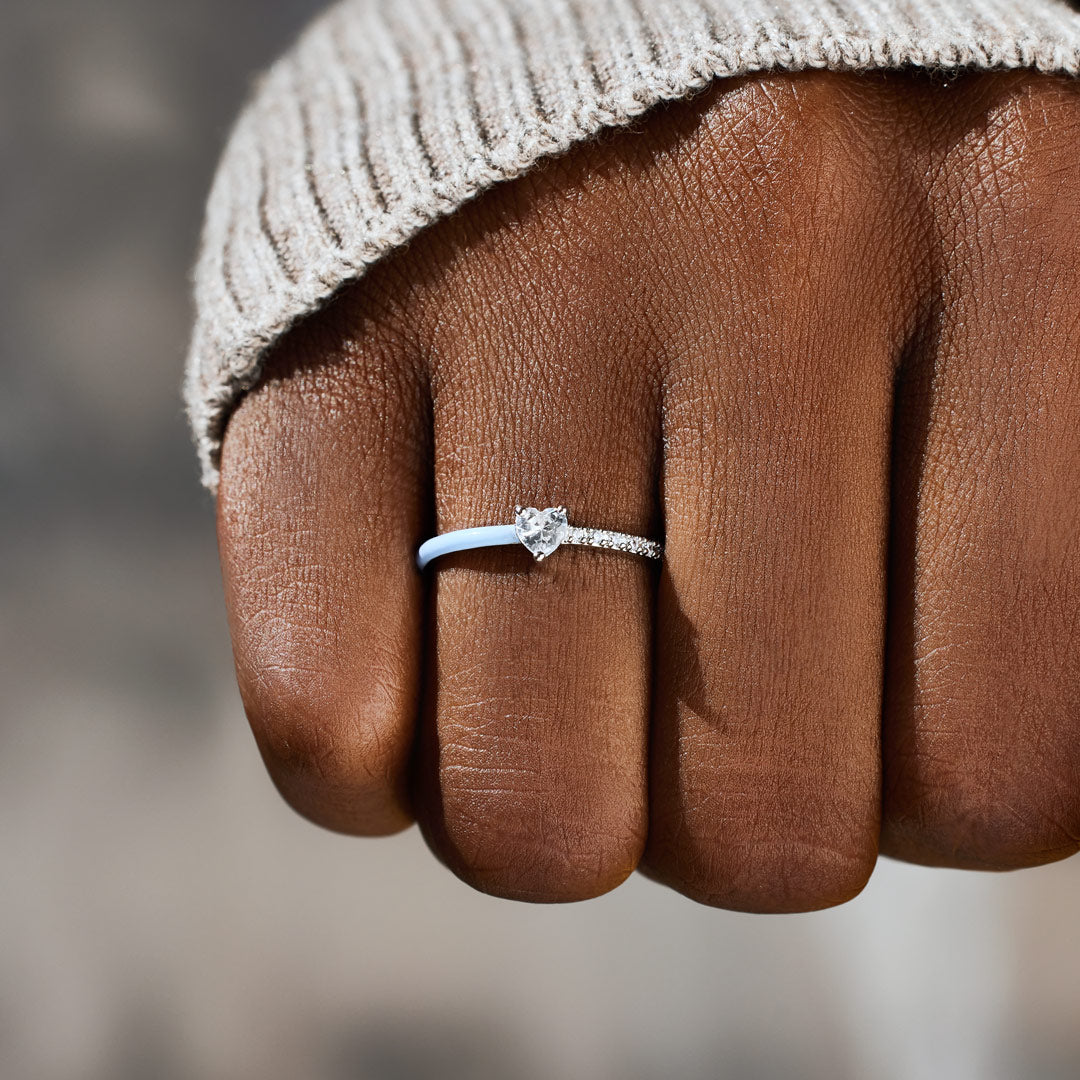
[{"x": 820, "y": 333}]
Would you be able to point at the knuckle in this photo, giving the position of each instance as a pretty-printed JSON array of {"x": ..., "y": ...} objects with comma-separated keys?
[
  {"x": 527, "y": 845},
  {"x": 776, "y": 143},
  {"x": 1026, "y": 145},
  {"x": 751, "y": 131},
  {"x": 764, "y": 868},
  {"x": 1044, "y": 107},
  {"x": 333, "y": 754},
  {"x": 975, "y": 814},
  {"x": 987, "y": 772}
]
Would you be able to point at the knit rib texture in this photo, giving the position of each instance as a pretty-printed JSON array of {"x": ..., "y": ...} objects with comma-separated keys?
[{"x": 389, "y": 114}]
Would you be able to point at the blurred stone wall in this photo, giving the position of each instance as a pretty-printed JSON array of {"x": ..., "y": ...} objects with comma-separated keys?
[{"x": 162, "y": 913}]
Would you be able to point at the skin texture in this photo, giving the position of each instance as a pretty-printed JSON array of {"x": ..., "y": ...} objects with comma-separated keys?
[{"x": 818, "y": 331}]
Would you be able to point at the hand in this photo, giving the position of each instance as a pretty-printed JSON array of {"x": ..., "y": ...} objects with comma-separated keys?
[{"x": 820, "y": 332}]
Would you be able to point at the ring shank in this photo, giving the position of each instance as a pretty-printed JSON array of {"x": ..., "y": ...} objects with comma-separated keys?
[
  {"x": 499, "y": 535},
  {"x": 465, "y": 540}
]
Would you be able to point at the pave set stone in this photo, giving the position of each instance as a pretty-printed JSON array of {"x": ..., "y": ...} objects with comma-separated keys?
[
  {"x": 616, "y": 541},
  {"x": 542, "y": 531}
]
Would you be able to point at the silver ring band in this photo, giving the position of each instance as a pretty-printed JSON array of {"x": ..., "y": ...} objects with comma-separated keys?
[{"x": 540, "y": 532}]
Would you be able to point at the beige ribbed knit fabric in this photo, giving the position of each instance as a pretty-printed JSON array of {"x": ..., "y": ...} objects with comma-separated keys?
[{"x": 391, "y": 113}]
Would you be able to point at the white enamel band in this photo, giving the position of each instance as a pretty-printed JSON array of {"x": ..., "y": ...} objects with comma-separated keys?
[{"x": 540, "y": 532}]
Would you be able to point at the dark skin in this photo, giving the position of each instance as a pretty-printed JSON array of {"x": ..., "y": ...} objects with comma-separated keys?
[{"x": 822, "y": 333}]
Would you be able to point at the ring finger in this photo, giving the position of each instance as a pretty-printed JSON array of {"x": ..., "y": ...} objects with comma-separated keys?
[{"x": 532, "y": 767}]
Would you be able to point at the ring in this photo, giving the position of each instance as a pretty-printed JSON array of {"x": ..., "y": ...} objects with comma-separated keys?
[{"x": 540, "y": 532}]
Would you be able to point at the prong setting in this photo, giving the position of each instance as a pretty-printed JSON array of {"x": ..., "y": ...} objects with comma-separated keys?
[{"x": 541, "y": 531}]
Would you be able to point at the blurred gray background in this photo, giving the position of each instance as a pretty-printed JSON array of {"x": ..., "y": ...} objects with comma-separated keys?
[{"x": 162, "y": 913}]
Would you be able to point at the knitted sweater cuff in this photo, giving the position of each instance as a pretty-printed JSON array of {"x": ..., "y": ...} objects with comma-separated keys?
[{"x": 388, "y": 115}]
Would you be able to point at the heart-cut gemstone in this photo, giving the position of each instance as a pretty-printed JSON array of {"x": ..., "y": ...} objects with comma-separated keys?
[{"x": 541, "y": 531}]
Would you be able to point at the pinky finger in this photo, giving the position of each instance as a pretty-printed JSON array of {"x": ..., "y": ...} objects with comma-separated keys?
[{"x": 324, "y": 481}]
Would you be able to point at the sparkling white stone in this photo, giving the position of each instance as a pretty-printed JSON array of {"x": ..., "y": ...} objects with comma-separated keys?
[{"x": 542, "y": 531}]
